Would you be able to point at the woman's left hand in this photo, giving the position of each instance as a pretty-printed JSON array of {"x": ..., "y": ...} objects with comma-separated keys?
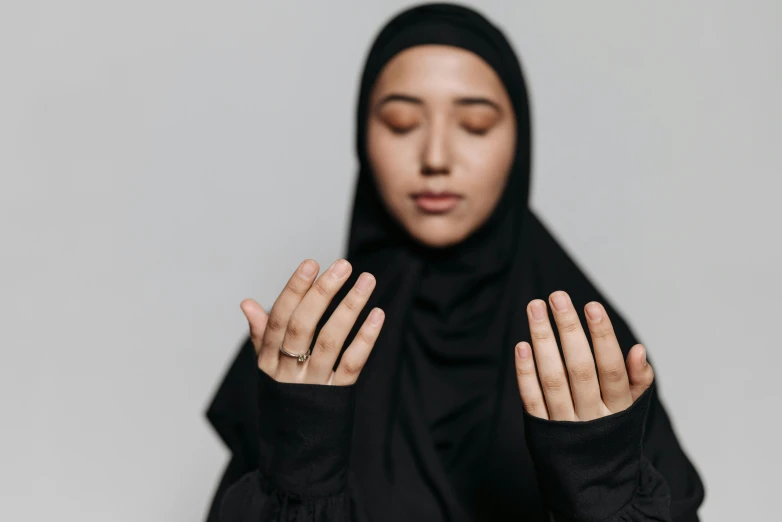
[{"x": 577, "y": 389}]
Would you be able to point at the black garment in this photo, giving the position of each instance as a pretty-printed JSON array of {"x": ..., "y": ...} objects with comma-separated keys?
[{"x": 434, "y": 429}]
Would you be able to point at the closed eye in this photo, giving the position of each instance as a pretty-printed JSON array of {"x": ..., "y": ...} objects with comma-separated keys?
[
  {"x": 400, "y": 117},
  {"x": 478, "y": 120},
  {"x": 476, "y": 130},
  {"x": 401, "y": 130}
]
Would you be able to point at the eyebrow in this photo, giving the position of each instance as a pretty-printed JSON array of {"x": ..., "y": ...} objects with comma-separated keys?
[
  {"x": 399, "y": 97},
  {"x": 478, "y": 101},
  {"x": 465, "y": 101}
]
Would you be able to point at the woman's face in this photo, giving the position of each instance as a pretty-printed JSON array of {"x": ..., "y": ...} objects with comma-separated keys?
[{"x": 441, "y": 139}]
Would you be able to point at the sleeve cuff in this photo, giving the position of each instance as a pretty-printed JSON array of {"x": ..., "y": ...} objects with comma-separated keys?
[
  {"x": 305, "y": 436},
  {"x": 589, "y": 470}
]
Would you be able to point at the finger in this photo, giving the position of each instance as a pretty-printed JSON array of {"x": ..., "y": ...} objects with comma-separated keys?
[
  {"x": 614, "y": 384},
  {"x": 294, "y": 291},
  {"x": 578, "y": 358},
  {"x": 529, "y": 387},
  {"x": 256, "y": 318},
  {"x": 551, "y": 370},
  {"x": 639, "y": 371},
  {"x": 304, "y": 319},
  {"x": 333, "y": 334},
  {"x": 355, "y": 357}
]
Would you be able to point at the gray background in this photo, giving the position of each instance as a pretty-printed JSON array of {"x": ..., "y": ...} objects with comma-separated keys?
[{"x": 160, "y": 160}]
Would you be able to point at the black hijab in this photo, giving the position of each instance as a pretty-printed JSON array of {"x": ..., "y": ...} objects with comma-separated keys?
[
  {"x": 439, "y": 423},
  {"x": 450, "y": 312}
]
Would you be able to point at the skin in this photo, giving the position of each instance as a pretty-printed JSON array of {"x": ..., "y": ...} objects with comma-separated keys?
[
  {"x": 581, "y": 387},
  {"x": 294, "y": 317},
  {"x": 440, "y": 120}
]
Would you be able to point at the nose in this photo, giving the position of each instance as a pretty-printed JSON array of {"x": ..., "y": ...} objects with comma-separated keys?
[{"x": 436, "y": 155}]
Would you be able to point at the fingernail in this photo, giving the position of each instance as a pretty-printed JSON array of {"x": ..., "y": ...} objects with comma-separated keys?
[
  {"x": 523, "y": 350},
  {"x": 308, "y": 268},
  {"x": 594, "y": 312},
  {"x": 364, "y": 282},
  {"x": 538, "y": 309},
  {"x": 645, "y": 362},
  {"x": 376, "y": 316},
  {"x": 341, "y": 268},
  {"x": 559, "y": 300}
]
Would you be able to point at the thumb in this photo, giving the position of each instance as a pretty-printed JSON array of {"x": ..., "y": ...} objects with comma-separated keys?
[
  {"x": 639, "y": 371},
  {"x": 257, "y": 319}
]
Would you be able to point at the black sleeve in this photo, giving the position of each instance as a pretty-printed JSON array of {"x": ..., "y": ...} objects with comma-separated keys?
[
  {"x": 305, "y": 435},
  {"x": 555, "y": 269},
  {"x": 233, "y": 413},
  {"x": 604, "y": 470}
]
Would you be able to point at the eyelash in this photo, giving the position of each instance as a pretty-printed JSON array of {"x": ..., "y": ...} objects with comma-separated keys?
[
  {"x": 476, "y": 132},
  {"x": 401, "y": 131}
]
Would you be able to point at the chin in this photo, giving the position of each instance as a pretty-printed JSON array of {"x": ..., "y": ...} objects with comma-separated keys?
[{"x": 437, "y": 236}]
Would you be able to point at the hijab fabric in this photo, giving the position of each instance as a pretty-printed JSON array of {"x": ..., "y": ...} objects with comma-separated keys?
[{"x": 448, "y": 337}]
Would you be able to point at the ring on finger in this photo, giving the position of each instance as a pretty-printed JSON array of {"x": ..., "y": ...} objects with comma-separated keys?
[{"x": 299, "y": 357}]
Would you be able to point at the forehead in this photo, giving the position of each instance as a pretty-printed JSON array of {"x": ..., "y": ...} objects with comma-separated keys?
[{"x": 431, "y": 70}]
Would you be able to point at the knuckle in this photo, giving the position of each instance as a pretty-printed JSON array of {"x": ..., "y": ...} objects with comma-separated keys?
[
  {"x": 613, "y": 374},
  {"x": 553, "y": 383},
  {"x": 525, "y": 370},
  {"x": 275, "y": 323},
  {"x": 297, "y": 287},
  {"x": 365, "y": 338},
  {"x": 531, "y": 405},
  {"x": 569, "y": 327},
  {"x": 321, "y": 288},
  {"x": 349, "y": 368},
  {"x": 295, "y": 329},
  {"x": 351, "y": 303},
  {"x": 602, "y": 333},
  {"x": 326, "y": 343},
  {"x": 582, "y": 372},
  {"x": 540, "y": 335}
]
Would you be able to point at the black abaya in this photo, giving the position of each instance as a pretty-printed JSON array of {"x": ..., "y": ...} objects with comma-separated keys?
[{"x": 434, "y": 429}]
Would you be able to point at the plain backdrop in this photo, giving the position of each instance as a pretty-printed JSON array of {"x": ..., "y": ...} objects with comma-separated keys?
[{"x": 161, "y": 160}]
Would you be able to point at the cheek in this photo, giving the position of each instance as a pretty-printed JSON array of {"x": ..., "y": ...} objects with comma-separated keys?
[
  {"x": 392, "y": 160},
  {"x": 489, "y": 164}
]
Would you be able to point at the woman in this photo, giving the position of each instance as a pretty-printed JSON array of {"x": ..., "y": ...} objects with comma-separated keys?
[{"x": 432, "y": 426}]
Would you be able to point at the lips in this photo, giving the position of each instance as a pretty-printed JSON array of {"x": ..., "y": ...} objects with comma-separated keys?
[{"x": 436, "y": 202}]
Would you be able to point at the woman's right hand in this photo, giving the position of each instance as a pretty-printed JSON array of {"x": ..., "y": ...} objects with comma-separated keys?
[{"x": 294, "y": 317}]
